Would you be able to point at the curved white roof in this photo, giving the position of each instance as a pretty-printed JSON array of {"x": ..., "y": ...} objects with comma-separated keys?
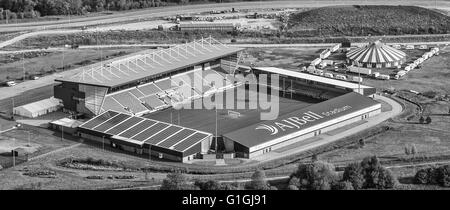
[{"x": 376, "y": 52}]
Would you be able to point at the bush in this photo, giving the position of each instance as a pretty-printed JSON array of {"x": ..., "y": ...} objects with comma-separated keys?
[
  {"x": 432, "y": 176},
  {"x": 443, "y": 175},
  {"x": 177, "y": 181},
  {"x": 232, "y": 186},
  {"x": 343, "y": 185},
  {"x": 208, "y": 185},
  {"x": 423, "y": 176},
  {"x": 258, "y": 181},
  {"x": 314, "y": 176},
  {"x": 353, "y": 174},
  {"x": 377, "y": 176}
]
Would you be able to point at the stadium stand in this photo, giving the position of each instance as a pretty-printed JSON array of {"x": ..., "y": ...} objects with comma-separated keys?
[
  {"x": 136, "y": 92},
  {"x": 126, "y": 99},
  {"x": 165, "y": 84},
  {"x": 153, "y": 101},
  {"x": 111, "y": 104},
  {"x": 149, "y": 89}
]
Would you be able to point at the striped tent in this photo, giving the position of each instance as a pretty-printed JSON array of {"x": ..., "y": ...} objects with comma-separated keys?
[{"x": 376, "y": 55}]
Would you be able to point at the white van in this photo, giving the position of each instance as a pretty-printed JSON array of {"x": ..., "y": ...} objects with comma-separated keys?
[{"x": 11, "y": 83}]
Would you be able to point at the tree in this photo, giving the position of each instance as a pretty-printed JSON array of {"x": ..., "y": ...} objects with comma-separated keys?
[
  {"x": 428, "y": 120},
  {"x": 423, "y": 176},
  {"x": 344, "y": 185},
  {"x": 413, "y": 150},
  {"x": 232, "y": 186},
  {"x": 208, "y": 185},
  {"x": 362, "y": 143},
  {"x": 353, "y": 173},
  {"x": 421, "y": 120},
  {"x": 176, "y": 181},
  {"x": 407, "y": 150},
  {"x": 258, "y": 181},
  {"x": 443, "y": 175},
  {"x": 375, "y": 175},
  {"x": 314, "y": 158},
  {"x": 318, "y": 175},
  {"x": 294, "y": 182}
]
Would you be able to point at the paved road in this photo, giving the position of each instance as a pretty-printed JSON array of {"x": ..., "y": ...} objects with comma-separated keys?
[
  {"x": 234, "y": 45},
  {"x": 54, "y": 151},
  {"x": 170, "y": 11}
]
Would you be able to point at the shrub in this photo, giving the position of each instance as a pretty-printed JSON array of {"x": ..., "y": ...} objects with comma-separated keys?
[
  {"x": 423, "y": 176},
  {"x": 421, "y": 120},
  {"x": 177, "y": 181},
  {"x": 428, "y": 120},
  {"x": 443, "y": 175},
  {"x": 258, "y": 181},
  {"x": 208, "y": 185},
  {"x": 432, "y": 175},
  {"x": 232, "y": 186},
  {"x": 353, "y": 174},
  {"x": 315, "y": 176},
  {"x": 377, "y": 176},
  {"x": 343, "y": 185}
]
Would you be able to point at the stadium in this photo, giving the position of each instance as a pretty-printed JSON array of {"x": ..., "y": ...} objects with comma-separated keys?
[{"x": 134, "y": 103}]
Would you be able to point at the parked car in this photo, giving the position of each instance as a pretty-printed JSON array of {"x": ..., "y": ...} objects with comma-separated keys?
[{"x": 11, "y": 83}]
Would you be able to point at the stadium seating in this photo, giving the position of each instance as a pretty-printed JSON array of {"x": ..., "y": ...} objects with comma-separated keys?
[
  {"x": 153, "y": 101},
  {"x": 305, "y": 90},
  {"x": 165, "y": 84},
  {"x": 126, "y": 99},
  {"x": 187, "y": 92},
  {"x": 149, "y": 89},
  {"x": 136, "y": 92},
  {"x": 111, "y": 104}
]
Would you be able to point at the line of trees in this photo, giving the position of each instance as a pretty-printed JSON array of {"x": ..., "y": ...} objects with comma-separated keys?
[
  {"x": 20, "y": 9},
  {"x": 319, "y": 175},
  {"x": 179, "y": 181}
]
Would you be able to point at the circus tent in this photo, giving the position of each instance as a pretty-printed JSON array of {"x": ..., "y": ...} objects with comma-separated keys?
[{"x": 376, "y": 55}]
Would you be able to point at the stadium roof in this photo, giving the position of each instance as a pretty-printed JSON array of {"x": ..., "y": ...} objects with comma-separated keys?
[
  {"x": 376, "y": 52},
  {"x": 139, "y": 131},
  {"x": 144, "y": 65},
  {"x": 300, "y": 120},
  {"x": 312, "y": 77}
]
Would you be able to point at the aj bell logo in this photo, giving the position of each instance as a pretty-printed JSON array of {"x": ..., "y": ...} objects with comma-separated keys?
[
  {"x": 270, "y": 128},
  {"x": 290, "y": 123}
]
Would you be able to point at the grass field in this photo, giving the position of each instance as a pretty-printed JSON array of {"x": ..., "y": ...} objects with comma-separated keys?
[
  {"x": 56, "y": 61},
  {"x": 433, "y": 76},
  {"x": 204, "y": 119}
]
